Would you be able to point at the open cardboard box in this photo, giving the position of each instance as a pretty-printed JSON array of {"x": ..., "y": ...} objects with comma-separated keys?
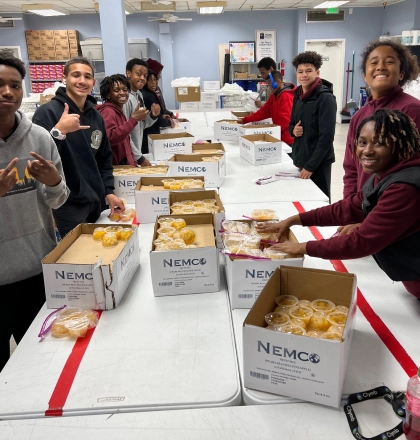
[
  {"x": 196, "y": 270},
  {"x": 226, "y": 130},
  {"x": 202, "y": 195},
  {"x": 184, "y": 125},
  {"x": 209, "y": 147},
  {"x": 164, "y": 146},
  {"x": 237, "y": 115},
  {"x": 271, "y": 129},
  {"x": 152, "y": 199},
  {"x": 298, "y": 366},
  {"x": 80, "y": 272},
  {"x": 125, "y": 184},
  {"x": 246, "y": 277},
  {"x": 260, "y": 149}
]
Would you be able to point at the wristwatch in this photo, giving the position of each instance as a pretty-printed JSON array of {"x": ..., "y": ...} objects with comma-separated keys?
[{"x": 56, "y": 134}]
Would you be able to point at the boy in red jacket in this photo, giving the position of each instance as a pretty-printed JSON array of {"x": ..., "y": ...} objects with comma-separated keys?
[{"x": 278, "y": 106}]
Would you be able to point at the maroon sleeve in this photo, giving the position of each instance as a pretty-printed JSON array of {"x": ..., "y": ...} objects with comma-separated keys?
[
  {"x": 395, "y": 217},
  {"x": 349, "y": 165},
  {"x": 116, "y": 131},
  {"x": 263, "y": 113}
]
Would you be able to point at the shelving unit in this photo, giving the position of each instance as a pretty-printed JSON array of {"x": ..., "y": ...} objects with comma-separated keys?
[{"x": 44, "y": 73}]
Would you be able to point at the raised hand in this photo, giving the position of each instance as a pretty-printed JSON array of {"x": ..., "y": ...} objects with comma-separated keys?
[
  {"x": 298, "y": 130},
  {"x": 155, "y": 109},
  {"x": 69, "y": 122},
  {"x": 140, "y": 113},
  {"x": 43, "y": 170},
  {"x": 8, "y": 177}
]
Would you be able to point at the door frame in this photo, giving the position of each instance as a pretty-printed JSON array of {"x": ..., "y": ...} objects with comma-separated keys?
[{"x": 339, "y": 90}]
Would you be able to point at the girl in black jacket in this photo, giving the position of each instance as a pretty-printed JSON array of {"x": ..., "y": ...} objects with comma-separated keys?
[
  {"x": 150, "y": 97},
  {"x": 312, "y": 122}
]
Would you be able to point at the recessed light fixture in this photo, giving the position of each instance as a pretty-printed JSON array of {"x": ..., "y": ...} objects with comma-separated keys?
[
  {"x": 331, "y": 4},
  {"x": 210, "y": 7},
  {"x": 45, "y": 9}
]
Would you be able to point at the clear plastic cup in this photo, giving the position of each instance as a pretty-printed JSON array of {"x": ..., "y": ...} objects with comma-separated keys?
[
  {"x": 282, "y": 309},
  {"x": 263, "y": 214},
  {"x": 337, "y": 318},
  {"x": 286, "y": 300},
  {"x": 98, "y": 233},
  {"x": 336, "y": 328},
  {"x": 314, "y": 334},
  {"x": 116, "y": 229},
  {"x": 167, "y": 183},
  {"x": 166, "y": 230},
  {"x": 304, "y": 313},
  {"x": 293, "y": 329},
  {"x": 323, "y": 305},
  {"x": 276, "y": 318},
  {"x": 126, "y": 233},
  {"x": 274, "y": 254},
  {"x": 332, "y": 336},
  {"x": 167, "y": 221},
  {"x": 298, "y": 321},
  {"x": 319, "y": 322},
  {"x": 305, "y": 303},
  {"x": 110, "y": 239},
  {"x": 342, "y": 309},
  {"x": 188, "y": 235}
]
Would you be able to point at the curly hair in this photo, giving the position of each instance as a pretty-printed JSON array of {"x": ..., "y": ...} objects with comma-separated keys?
[
  {"x": 308, "y": 57},
  {"x": 396, "y": 130},
  {"x": 78, "y": 60},
  {"x": 108, "y": 82},
  {"x": 9, "y": 60},
  {"x": 408, "y": 61}
]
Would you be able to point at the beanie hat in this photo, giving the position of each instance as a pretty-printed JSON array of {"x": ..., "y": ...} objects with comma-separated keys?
[{"x": 154, "y": 65}]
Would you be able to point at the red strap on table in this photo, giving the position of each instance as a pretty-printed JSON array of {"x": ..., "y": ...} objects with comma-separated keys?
[
  {"x": 65, "y": 381},
  {"x": 396, "y": 349}
]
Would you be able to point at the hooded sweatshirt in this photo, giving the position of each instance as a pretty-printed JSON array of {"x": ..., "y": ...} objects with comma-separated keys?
[
  {"x": 86, "y": 154},
  {"x": 317, "y": 114},
  {"x": 27, "y": 231},
  {"x": 278, "y": 108},
  {"x": 395, "y": 217},
  {"x": 396, "y": 99},
  {"x": 118, "y": 130}
]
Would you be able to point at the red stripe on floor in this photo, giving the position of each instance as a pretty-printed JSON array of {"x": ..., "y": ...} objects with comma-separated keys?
[
  {"x": 396, "y": 349},
  {"x": 65, "y": 381}
]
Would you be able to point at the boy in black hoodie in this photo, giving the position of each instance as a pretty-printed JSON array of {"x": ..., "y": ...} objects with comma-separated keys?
[
  {"x": 312, "y": 122},
  {"x": 79, "y": 132}
]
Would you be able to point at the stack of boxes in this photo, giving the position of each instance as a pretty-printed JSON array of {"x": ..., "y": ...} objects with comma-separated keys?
[{"x": 210, "y": 96}]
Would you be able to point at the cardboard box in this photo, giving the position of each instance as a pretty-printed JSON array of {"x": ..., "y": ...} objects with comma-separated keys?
[
  {"x": 247, "y": 278},
  {"x": 62, "y": 54},
  {"x": 202, "y": 195},
  {"x": 260, "y": 149},
  {"x": 209, "y": 96},
  {"x": 237, "y": 115},
  {"x": 32, "y": 36},
  {"x": 164, "y": 146},
  {"x": 271, "y": 129},
  {"x": 80, "y": 272},
  {"x": 73, "y": 35},
  {"x": 46, "y": 34},
  {"x": 226, "y": 130},
  {"x": 208, "y": 148},
  {"x": 48, "y": 46},
  {"x": 183, "y": 126},
  {"x": 189, "y": 105},
  {"x": 152, "y": 199},
  {"x": 211, "y": 85},
  {"x": 35, "y": 55},
  {"x": 189, "y": 270},
  {"x": 298, "y": 366},
  {"x": 61, "y": 36},
  {"x": 241, "y": 75},
  {"x": 126, "y": 183},
  {"x": 43, "y": 99},
  {"x": 61, "y": 45},
  {"x": 74, "y": 53},
  {"x": 48, "y": 55},
  {"x": 37, "y": 45},
  {"x": 208, "y": 106},
  {"x": 190, "y": 165},
  {"x": 187, "y": 94}
]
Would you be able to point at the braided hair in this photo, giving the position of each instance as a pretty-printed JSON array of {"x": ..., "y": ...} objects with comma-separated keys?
[
  {"x": 394, "y": 129},
  {"x": 108, "y": 82}
]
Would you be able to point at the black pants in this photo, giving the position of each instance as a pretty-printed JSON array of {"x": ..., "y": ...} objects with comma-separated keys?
[
  {"x": 21, "y": 302},
  {"x": 322, "y": 178},
  {"x": 68, "y": 216}
]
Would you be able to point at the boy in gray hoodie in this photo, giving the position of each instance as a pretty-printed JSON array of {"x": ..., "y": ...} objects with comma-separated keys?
[{"x": 31, "y": 185}]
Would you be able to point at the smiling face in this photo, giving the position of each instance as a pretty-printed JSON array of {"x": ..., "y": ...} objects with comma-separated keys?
[
  {"x": 11, "y": 92},
  {"x": 118, "y": 94},
  {"x": 382, "y": 71},
  {"x": 152, "y": 82},
  {"x": 374, "y": 156},
  {"x": 79, "y": 82},
  {"x": 137, "y": 77},
  {"x": 306, "y": 74}
]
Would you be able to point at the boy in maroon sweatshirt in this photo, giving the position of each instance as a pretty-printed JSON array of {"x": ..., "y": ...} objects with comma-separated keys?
[{"x": 388, "y": 149}]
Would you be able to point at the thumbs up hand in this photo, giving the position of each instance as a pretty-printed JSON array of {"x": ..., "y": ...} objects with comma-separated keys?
[
  {"x": 298, "y": 130},
  {"x": 69, "y": 122}
]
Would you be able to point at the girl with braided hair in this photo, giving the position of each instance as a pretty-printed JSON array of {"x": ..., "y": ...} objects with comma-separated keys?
[{"x": 387, "y": 146}]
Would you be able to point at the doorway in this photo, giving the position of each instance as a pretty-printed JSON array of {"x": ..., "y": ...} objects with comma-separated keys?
[{"x": 332, "y": 68}]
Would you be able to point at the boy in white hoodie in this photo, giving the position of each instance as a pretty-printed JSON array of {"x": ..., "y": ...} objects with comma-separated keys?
[{"x": 31, "y": 185}]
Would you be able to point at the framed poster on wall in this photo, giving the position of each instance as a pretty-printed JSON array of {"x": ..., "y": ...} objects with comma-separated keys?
[
  {"x": 242, "y": 51},
  {"x": 265, "y": 44}
]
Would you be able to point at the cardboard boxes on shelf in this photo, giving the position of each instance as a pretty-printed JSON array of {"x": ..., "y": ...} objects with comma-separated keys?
[
  {"x": 195, "y": 270},
  {"x": 152, "y": 199},
  {"x": 164, "y": 146},
  {"x": 45, "y": 45},
  {"x": 260, "y": 149},
  {"x": 296, "y": 366},
  {"x": 80, "y": 272}
]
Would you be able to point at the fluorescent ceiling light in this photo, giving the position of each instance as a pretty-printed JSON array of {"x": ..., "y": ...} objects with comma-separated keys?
[
  {"x": 45, "y": 10},
  {"x": 210, "y": 7},
  {"x": 332, "y": 4}
]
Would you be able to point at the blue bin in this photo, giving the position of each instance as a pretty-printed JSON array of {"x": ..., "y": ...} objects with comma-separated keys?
[
  {"x": 252, "y": 86},
  {"x": 242, "y": 83}
]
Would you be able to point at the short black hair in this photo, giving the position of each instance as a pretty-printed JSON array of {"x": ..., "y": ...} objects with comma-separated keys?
[
  {"x": 276, "y": 75},
  {"x": 9, "y": 60},
  {"x": 78, "y": 60},
  {"x": 108, "y": 82},
  {"x": 267, "y": 63},
  {"x": 408, "y": 61},
  {"x": 395, "y": 129},
  {"x": 308, "y": 57},
  {"x": 135, "y": 62}
]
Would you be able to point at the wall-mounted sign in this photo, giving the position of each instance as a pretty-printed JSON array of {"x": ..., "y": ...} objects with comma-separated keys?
[
  {"x": 242, "y": 51},
  {"x": 265, "y": 44}
]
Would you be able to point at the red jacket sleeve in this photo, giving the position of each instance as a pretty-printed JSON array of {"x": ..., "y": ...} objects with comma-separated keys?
[
  {"x": 116, "y": 131},
  {"x": 263, "y": 113},
  {"x": 283, "y": 113},
  {"x": 395, "y": 217}
]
